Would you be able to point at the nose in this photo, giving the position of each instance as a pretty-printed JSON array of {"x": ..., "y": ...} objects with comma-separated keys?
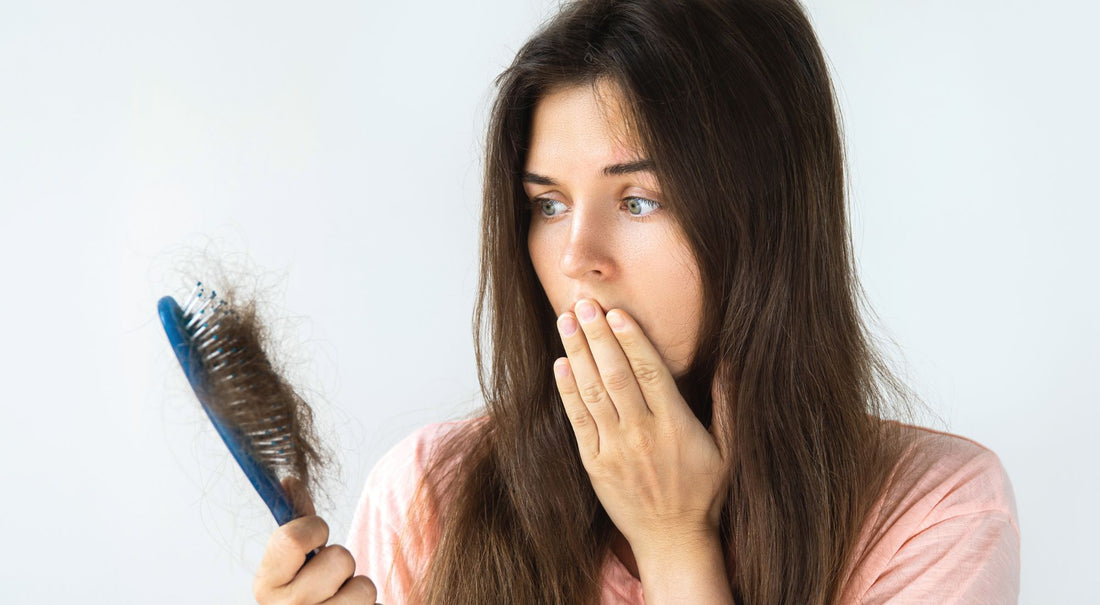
[{"x": 589, "y": 249}]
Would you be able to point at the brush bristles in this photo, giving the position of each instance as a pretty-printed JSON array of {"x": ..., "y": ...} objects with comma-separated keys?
[{"x": 244, "y": 390}]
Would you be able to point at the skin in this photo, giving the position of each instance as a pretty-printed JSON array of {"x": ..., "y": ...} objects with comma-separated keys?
[
  {"x": 657, "y": 471},
  {"x": 590, "y": 239},
  {"x": 327, "y": 577}
]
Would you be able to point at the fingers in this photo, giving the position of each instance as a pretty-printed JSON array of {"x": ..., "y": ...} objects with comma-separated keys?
[
  {"x": 611, "y": 378},
  {"x": 358, "y": 590},
  {"x": 326, "y": 578},
  {"x": 651, "y": 376},
  {"x": 612, "y": 363},
  {"x": 584, "y": 425},
  {"x": 586, "y": 385},
  {"x": 604, "y": 378},
  {"x": 616, "y": 369},
  {"x": 286, "y": 552},
  {"x": 322, "y": 577}
]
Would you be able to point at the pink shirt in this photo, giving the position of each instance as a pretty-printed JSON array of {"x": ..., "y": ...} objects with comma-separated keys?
[{"x": 946, "y": 531}]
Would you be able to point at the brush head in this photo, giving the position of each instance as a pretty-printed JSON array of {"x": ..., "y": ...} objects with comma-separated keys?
[{"x": 265, "y": 424}]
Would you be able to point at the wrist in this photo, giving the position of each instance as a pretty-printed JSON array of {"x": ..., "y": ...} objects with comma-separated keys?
[
  {"x": 677, "y": 541},
  {"x": 679, "y": 551},
  {"x": 691, "y": 565}
]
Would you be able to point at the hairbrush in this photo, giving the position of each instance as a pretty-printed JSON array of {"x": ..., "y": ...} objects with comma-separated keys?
[{"x": 264, "y": 423}]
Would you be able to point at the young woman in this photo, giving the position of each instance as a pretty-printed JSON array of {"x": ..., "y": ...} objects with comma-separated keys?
[{"x": 683, "y": 404}]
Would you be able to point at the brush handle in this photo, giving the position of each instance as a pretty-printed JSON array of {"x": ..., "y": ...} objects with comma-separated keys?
[{"x": 265, "y": 482}]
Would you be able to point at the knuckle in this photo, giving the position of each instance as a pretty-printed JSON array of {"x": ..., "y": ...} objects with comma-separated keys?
[
  {"x": 322, "y": 528},
  {"x": 294, "y": 596},
  {"x": 593, "y": 394},
  {"x": 363, "y": 586},
  {"x": 672, "y": 430},
  {"x": 640, "y": 440},
  {"x": 647, "y": 373},
  {"x": 580, "y": 418},
  {"x": 303, "y": 534},
  {"x": 573, "y": 349},
  {"x": 597, "y": 467},
  {"x": 618, "y": 380},
  {"x": 344, "y": 559},
  {"x": 597, "y": 332},
  {"x": 285, "y": 539}
]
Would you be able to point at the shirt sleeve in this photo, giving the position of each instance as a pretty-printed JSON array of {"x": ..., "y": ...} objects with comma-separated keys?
[{"x": 957, "y": 541}]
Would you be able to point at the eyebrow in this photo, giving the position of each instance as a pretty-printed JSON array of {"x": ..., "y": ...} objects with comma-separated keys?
[{"x": 612, "y": 170}]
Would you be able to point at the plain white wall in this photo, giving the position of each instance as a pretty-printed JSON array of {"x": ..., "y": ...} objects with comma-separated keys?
[{"x": 336, "y": 147}]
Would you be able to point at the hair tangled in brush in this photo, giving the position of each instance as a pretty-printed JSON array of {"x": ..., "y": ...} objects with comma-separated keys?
[
  {"x": 248, "y": 386},
  {"x": 269, "y": 400}
]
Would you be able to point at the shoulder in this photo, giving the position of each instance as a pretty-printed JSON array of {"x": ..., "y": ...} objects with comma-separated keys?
[
  {"x": 944, "y": 475},
  {"x": 412, "y": 452},
  {"x": 945, "y": 524},
  {"x": 393, "y": 479}
]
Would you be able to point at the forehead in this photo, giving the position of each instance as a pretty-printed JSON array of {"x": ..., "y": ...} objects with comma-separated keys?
[{"x": 582, "y": 122}]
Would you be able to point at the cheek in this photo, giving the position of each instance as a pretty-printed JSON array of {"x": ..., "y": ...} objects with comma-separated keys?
[
  {"x": 542, "y": 261},
  {"x": 535, "y": 252},
  {"x": 682, "y": 308}
]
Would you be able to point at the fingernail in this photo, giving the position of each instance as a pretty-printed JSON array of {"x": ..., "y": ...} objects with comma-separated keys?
[
  {"x": 585, "y": 310},
  {"x": 615, "y": 320},
  {"x": 567, "y": 325}
]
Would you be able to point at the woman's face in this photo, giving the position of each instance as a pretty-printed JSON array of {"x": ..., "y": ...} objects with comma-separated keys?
[{"x": 598, "y": 229}]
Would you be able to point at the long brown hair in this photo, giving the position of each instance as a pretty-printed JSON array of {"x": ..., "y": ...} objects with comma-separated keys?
[{"x": 732, "y": 101}]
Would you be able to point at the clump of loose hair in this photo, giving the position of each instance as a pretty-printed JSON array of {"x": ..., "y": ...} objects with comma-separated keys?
[{"x": 246, "y": 385}]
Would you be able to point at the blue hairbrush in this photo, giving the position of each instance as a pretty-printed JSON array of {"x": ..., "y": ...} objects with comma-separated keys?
[{"x": 264, "y": 423}]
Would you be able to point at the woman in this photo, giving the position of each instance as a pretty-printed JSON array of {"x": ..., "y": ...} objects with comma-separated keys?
[{"x": 674, "y": 168}]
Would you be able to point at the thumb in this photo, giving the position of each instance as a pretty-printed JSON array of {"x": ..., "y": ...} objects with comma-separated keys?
[
  {"x": 299, "y": 496},
  {"x": 721, "y": 415}
]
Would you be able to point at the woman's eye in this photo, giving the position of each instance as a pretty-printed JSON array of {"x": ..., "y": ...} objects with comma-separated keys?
[
  {"x": 542, "y": 203},
  {"x": 635, "y": 205},
  {"x": 640, "y": 202}
]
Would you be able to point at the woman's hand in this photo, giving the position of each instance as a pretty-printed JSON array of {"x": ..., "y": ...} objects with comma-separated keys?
[
  {"x": 326, "y": 578},
  {"x": 657, "y": 471}
]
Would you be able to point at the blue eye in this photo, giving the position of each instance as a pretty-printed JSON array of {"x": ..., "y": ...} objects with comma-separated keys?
[
  {"x": 633, "y": 203},
  {"x": 540, "y": 203}
]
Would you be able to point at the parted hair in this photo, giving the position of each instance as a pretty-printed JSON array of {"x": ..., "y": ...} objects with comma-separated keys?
[{"x": 732, "y": 101}]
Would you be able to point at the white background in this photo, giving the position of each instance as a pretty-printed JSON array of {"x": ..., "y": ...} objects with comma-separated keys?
[{"x": 336, "y": 147}]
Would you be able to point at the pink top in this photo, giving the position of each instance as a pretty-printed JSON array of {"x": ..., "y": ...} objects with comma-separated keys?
[{"x": 946, "y": 533}]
